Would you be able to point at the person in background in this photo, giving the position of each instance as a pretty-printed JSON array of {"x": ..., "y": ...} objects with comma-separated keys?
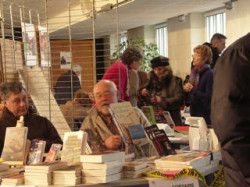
[
  {"x": 217, "y": 45},
  {"x": 76, "y": 110},
  {"x": 199, "y": 86},
  {"x": 67, "y": 84},
  {"x": 231, "y": 109},
  {"x": 164, "y": 91},
  {"x": 102, "y": 132},
  {"x": 124, "y": 74},
  {"x": 15, "y": 103}
]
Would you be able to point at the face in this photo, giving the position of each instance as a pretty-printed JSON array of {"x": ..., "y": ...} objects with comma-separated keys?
[
  {"x": 220, "y": 45},
  {"x": 135, "y": 65},
  {"x": 160, "y": 72},
  {"x": 104, "y": 95},
  {"x": 17, "y": 104},
  {"x": 197, "y": 59}
]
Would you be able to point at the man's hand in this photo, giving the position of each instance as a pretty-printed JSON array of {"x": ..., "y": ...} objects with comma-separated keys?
[
  {"x": 113, "y": 142},
  {"x": 144, "y": 92}
]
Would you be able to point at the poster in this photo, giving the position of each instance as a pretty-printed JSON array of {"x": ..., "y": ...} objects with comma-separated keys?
[
  {"x": 44, "y": 47},
  {"x": 29, "y": 40},
  {"x": 65, "y": 60}
]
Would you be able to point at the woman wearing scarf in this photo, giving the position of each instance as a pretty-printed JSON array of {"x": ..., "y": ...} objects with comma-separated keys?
[{"x": 199, "y": 86}]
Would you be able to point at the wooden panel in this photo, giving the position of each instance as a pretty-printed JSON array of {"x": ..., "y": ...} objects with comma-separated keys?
[{"x": 82, "y": 54}]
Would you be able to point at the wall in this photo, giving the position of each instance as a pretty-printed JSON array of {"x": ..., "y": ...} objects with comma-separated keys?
[
  {"x": 82, "y": 54},
  {"x": 238, "y": 21}
]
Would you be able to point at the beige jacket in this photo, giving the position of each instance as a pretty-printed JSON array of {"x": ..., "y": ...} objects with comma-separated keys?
[{"x": 98, "y": 131}]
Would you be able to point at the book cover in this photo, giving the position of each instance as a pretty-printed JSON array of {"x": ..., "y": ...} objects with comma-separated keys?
[
  {"x": 53, "y": 152},
  {"x": 15, "y": 145},
  {"x": 74, "y": 145},
  {"x": 149, "y": 113},
  {"x": 163, "y": 142},
  {"x": 36, "y": 152},
  {"x": 103, "y": 157}
]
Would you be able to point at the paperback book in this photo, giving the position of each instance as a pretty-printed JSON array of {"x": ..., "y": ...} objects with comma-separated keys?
[
  {"x": 53, "y": 152},
  {"x": 103, "y": 157},
  {"x": 14, "y": 150},
  {"x": 149, "y": 113},
  {"x": 36, "y": 152}
]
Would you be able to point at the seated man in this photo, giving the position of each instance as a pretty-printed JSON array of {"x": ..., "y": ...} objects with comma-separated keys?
[
  {"x": 15, "y": 104},
  {"x": 102, "y": 132}
]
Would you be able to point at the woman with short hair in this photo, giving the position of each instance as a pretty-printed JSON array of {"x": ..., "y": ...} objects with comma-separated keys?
[{"x": 200, "y": 83}]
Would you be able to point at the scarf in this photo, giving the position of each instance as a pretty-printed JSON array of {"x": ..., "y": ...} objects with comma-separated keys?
[{"x": 195, "y": 74}]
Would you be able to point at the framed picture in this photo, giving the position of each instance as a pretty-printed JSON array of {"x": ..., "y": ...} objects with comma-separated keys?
[
  {"x": 29, "y": 40},
  {"x": 65, "y": 60},
  {"x": 44, "y": 46}
]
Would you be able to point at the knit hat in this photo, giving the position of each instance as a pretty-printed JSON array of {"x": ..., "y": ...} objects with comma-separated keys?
[{"x": 159, "y": 61}]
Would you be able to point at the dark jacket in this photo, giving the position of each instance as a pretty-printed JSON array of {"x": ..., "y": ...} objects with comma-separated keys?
[
  {"x": 200, "y": 97},
  {"x": 170, "y": 90},
  {"x": 38, "y": 128},
  {"x": 216, "y": 54},
  {"x": 231, "y": 110},
  {"x": 63, "y": 89}
]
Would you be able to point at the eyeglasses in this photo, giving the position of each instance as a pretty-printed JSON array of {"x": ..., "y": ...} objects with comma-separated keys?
[{"x": 105, "y": 94}]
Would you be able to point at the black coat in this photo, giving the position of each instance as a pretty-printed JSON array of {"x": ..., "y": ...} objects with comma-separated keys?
[
  {"x": 231, "y": 110},
  {"x": 63, "y": 89},
  {"x": 38, "y": 128},
  {"x": 171, "y": 92}
]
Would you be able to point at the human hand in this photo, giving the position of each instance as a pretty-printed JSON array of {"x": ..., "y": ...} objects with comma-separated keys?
[
  {"x": 113, "y": 142},
  {"x": 188, "y": 87},
  {"x": 144, "y": 92}
]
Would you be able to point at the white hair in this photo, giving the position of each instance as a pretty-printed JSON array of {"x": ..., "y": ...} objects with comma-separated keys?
[{"x": 111, "y": 84}]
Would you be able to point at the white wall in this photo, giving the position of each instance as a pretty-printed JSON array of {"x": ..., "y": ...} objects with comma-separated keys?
[{"x": 238, "y": 21}]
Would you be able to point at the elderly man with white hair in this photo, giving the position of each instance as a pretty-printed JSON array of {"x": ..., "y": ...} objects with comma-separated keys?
[{"x": 102, "y": 131}]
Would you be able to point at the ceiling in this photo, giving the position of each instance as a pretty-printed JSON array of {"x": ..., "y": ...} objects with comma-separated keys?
[{"x": 77, "y": 22}]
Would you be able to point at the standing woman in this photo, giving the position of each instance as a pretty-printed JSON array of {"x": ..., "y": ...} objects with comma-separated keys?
[
  {"x": 124, "y": 74},
  {"x": 199, "y": 86}
]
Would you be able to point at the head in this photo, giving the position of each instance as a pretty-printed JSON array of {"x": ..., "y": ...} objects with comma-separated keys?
[
  {"x": 218, "y": 41},
  {"x": 77, "y": 69},
  {"x": 14, "y": 98},
  {"x": 105, "y": 92},
  {"x": 132, "y": 57},
  {"x": 202, "y": 54},
  {"x": 161, "y": 67},
  {"x": 82, "y": 98}
]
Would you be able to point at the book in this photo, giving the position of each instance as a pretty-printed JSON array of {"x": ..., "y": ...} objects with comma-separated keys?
[
  {"x": 101, "y": 172},
  {"x": 103, "y": 157},
  {"x": 196, "y": 159},
  {"x": 14, "y": 150},
  {"x": 105, "y": 179},
  {"x": 149, "y": 113},
  {"x": 4, "y": 167},
  {"x": 105, "y": 165},
  {"x": 45, "y": 167},
  {"x": 74, "y": 145},
  {"x": 133, "y": 166},
  {"x": 13, "y": 180},
  {"x": 136, "y": 173},
  {"x": 53, "y": 152},
  {"x": 67, "y": 181},
  {"x": 36, "y": 152},
  {"x": 123, "y": 115}
]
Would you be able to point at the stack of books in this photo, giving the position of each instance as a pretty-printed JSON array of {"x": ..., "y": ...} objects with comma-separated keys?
[
  {"x": 41, "y": 174},
  {"x": 103, "y": 167},
  {"x": 134, "y": 169},
  {"x": 13, "y": 180},
  {"x": 68, "y": 176},
  {"x": 198, "y": 160}
]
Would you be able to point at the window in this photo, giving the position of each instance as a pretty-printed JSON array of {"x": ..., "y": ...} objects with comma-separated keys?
[
  {"x": 161, "y": 40},
  {"x": 123, "y": 39},
  {"x": 215, "y": 23}
]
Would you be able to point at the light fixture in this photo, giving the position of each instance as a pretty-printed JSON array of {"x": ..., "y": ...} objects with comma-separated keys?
[{"x": 181, "y": 18}]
